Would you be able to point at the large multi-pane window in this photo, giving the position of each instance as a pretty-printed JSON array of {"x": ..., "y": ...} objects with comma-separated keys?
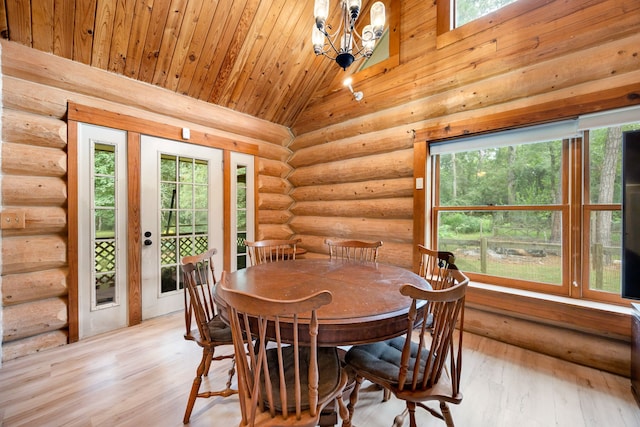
[{"x": 515, "y": 206}]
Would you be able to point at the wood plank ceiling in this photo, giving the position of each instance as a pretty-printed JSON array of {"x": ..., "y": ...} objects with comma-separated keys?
[{"x": 252, "y": 56}]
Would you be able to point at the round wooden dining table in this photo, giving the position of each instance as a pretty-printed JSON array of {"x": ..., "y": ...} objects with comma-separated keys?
[{"x": 366, "y": 306}]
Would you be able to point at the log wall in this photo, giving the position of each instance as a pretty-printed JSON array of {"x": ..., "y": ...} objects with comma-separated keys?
[
  {"x": 360, "y": 187},
  {"x": 36, "y": 88},
  {"x": 353, "y": 174}
]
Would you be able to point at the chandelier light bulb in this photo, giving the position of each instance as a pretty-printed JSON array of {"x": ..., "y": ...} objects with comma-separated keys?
[
  {"x": 321, "y": 12},
  {"x": 354, "y": 9},
  {"x": 368, "y": 40},
  {"x": 377, "y": 18},
  {"x": 317, "y": 38}
]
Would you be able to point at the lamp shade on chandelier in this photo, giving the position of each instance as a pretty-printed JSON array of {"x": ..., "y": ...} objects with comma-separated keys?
[{"x": 345, "y": 45}]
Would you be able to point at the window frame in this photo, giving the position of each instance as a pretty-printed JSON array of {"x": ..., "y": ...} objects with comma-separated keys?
[
  {"x": 563, "y": 207},
  {"x": 445, "y": 35},
  {"x": 583, "y": 276},
  {"x": 576, "y": 207}
]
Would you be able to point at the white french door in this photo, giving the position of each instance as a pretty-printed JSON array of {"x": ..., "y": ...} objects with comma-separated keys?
[
  {"x": 181, "y": 214},
  {"x": 102, "y": 226}
]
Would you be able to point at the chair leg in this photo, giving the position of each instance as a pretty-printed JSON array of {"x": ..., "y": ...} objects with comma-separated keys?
[
  {"x": 343, "y": 411},
  {"x": 411, "y": 407},
  {"x": 446, "y": 414},
  {"x": 353, "y": 399},
  {"x": 207, "y": 354},
  {"x": 207, "y": 365},
  {"x": 232, "y": 372}
]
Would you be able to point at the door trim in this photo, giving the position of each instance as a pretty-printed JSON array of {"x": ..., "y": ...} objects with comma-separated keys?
[
  {"x": 72, "y": 231},
  {"x": 99, "y": 117},
  {"x": 134, "y": 230}
]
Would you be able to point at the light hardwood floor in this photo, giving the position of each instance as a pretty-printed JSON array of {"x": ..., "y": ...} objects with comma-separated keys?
[{"x": 141, "y": 376}]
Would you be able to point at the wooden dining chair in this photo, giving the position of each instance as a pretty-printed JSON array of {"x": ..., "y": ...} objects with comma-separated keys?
[
  {"x": 263, "y": 251},
  {"x": 434, "y": 265},
  {"x": 434, "y": 268},
  {"x": 353, "y": 250},
  {"x": 211, "y": 331},
  {"x": 284, "y": 378},
  {"x": 424, "y": 370}
]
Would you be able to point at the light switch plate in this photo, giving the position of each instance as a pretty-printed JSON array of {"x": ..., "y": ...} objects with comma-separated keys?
[
  {"x": 419, "y": 183},
  {"x": 186, "y": 133}
]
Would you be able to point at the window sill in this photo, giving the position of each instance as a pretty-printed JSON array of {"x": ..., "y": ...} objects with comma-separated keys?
[{"x": 607, "y": 320}]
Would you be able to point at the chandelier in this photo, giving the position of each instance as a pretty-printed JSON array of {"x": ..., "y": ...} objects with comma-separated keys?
[{"x": 345, "y": 45}]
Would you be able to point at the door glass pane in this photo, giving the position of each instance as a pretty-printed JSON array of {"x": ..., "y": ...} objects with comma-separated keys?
[
  {"x": 168, "y": 251},
  {"x": 105, "y": 223},
  {"x": 184, "y": 215},
  {"x": 168, "y": 195},
  {"x": 187, "y": 245},
  {"x": 105, "y": 275},
  {"x": 241, "y": 215},
  {"x": 185, "y": 225},
  {"x": 168, "y": 278},
  {"x": 201, "y": 197},
  {"x": 201, "y": 243},
  {"x": 201, "y": 172},
  {"x": 104, "y": 190},
  {"x": 241, "y": 250},
  {"x": 201, "y": 225},
  {"x": 241, "y": 195},
  {"x": 168, "y": 218},
  {"x": 168, "y": 168},
  {"x": 185, "y": 196},
  {"x": 186, "y": 169},
  {"x": 105, "y": 288},
  {"x": 104, "y": 292}
]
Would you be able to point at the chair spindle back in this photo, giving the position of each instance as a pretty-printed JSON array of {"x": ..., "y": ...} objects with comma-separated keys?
[{"x": 353, "y": 250}]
